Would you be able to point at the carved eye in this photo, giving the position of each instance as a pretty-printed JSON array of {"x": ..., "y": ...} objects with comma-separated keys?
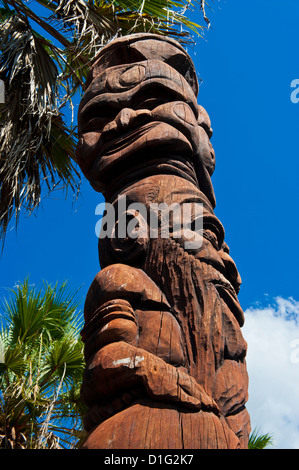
[
  {"x": 213, "y": 231},
  {"x": 128, "y": 240},
  {"x": 211, "y": 236},
  {"x": 94, "y": 124},
  {"x": 184, "y": 113},
  {"x": 132, "y": 76}
]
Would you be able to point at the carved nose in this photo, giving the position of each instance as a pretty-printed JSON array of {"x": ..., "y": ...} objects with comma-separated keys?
[
  {"x": 125, "y": 117},
  {"x": 231, "y": 271},
  {"x": 128, "y": 116}
]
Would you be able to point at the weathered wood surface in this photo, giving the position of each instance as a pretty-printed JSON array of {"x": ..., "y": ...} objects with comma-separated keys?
[{"x": 165, "y": 356}]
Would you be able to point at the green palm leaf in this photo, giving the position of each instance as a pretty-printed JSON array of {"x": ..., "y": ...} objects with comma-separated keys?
[
  {"x": 12, "y": 358},
  {"x": 35, "y": 146},
  {"x": 64, "y": 358},
  {"x": 259, "y": 441},
  {"x": 50, "y": 312},
  {"x": 41, "y": 365}
]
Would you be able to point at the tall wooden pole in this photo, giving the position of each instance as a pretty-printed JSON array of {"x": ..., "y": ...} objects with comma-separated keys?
[{"x": 165, "y": 356}]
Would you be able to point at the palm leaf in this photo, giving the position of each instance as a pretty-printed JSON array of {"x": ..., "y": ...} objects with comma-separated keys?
[
  {"x": 259, "y": 441},
  {"x": 64, "y": 358},
  {"x": 13, "y": 359},
  {"x": 51, "y": 312},
  {"x": 42, "y": 364},
  {"x": 33, "y": 136}
]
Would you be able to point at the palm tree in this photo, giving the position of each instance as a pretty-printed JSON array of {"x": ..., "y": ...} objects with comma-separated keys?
[
  {"x": 41, "y": 367},
  {"x": 259, "y": 441},
  {"x": 46, "y": 48}
]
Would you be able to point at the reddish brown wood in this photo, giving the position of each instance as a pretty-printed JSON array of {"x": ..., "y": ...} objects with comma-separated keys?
[{"x": 165, "y": 356}]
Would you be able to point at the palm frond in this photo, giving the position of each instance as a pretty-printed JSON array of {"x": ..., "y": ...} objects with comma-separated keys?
[
  {"x": 259, "y": 441},
  {"x": 51, "y": 311},
  {"x": 33, "y": 136},
  {"x": 41, "y": 365}
]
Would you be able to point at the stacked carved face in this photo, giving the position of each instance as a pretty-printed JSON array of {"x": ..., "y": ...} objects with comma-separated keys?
[
  {"x": 162, "y": 320},
  {"x": 140, "y": 107}
]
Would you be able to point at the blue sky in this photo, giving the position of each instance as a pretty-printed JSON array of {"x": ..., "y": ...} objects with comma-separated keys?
[{"x": 246, "y": 61}]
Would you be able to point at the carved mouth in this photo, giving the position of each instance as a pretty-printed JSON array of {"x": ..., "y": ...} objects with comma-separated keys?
[
  {"x": 140, "y": 142},
  {"x": 125, "y": 139}
]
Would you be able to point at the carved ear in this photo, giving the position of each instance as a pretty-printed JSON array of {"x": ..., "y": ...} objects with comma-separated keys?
[{"x": 128, "y": 241}]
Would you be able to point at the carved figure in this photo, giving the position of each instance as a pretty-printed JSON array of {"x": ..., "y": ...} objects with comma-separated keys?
[{"x": 165, "y": 356}]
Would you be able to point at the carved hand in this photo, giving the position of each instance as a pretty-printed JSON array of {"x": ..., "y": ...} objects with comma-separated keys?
[{"x": 118, "y": 367}]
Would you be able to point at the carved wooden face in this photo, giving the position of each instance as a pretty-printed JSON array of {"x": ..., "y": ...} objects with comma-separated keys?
[
  {"x": 187, "y": 219},
  {"x": 138, "y": 111}
]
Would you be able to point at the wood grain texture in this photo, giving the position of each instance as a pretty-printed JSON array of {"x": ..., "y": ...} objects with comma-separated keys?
[{"x": 165, "y": 356}]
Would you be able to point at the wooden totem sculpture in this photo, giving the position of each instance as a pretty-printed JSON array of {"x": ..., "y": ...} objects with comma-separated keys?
[{"x": 165, "y": 357}]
